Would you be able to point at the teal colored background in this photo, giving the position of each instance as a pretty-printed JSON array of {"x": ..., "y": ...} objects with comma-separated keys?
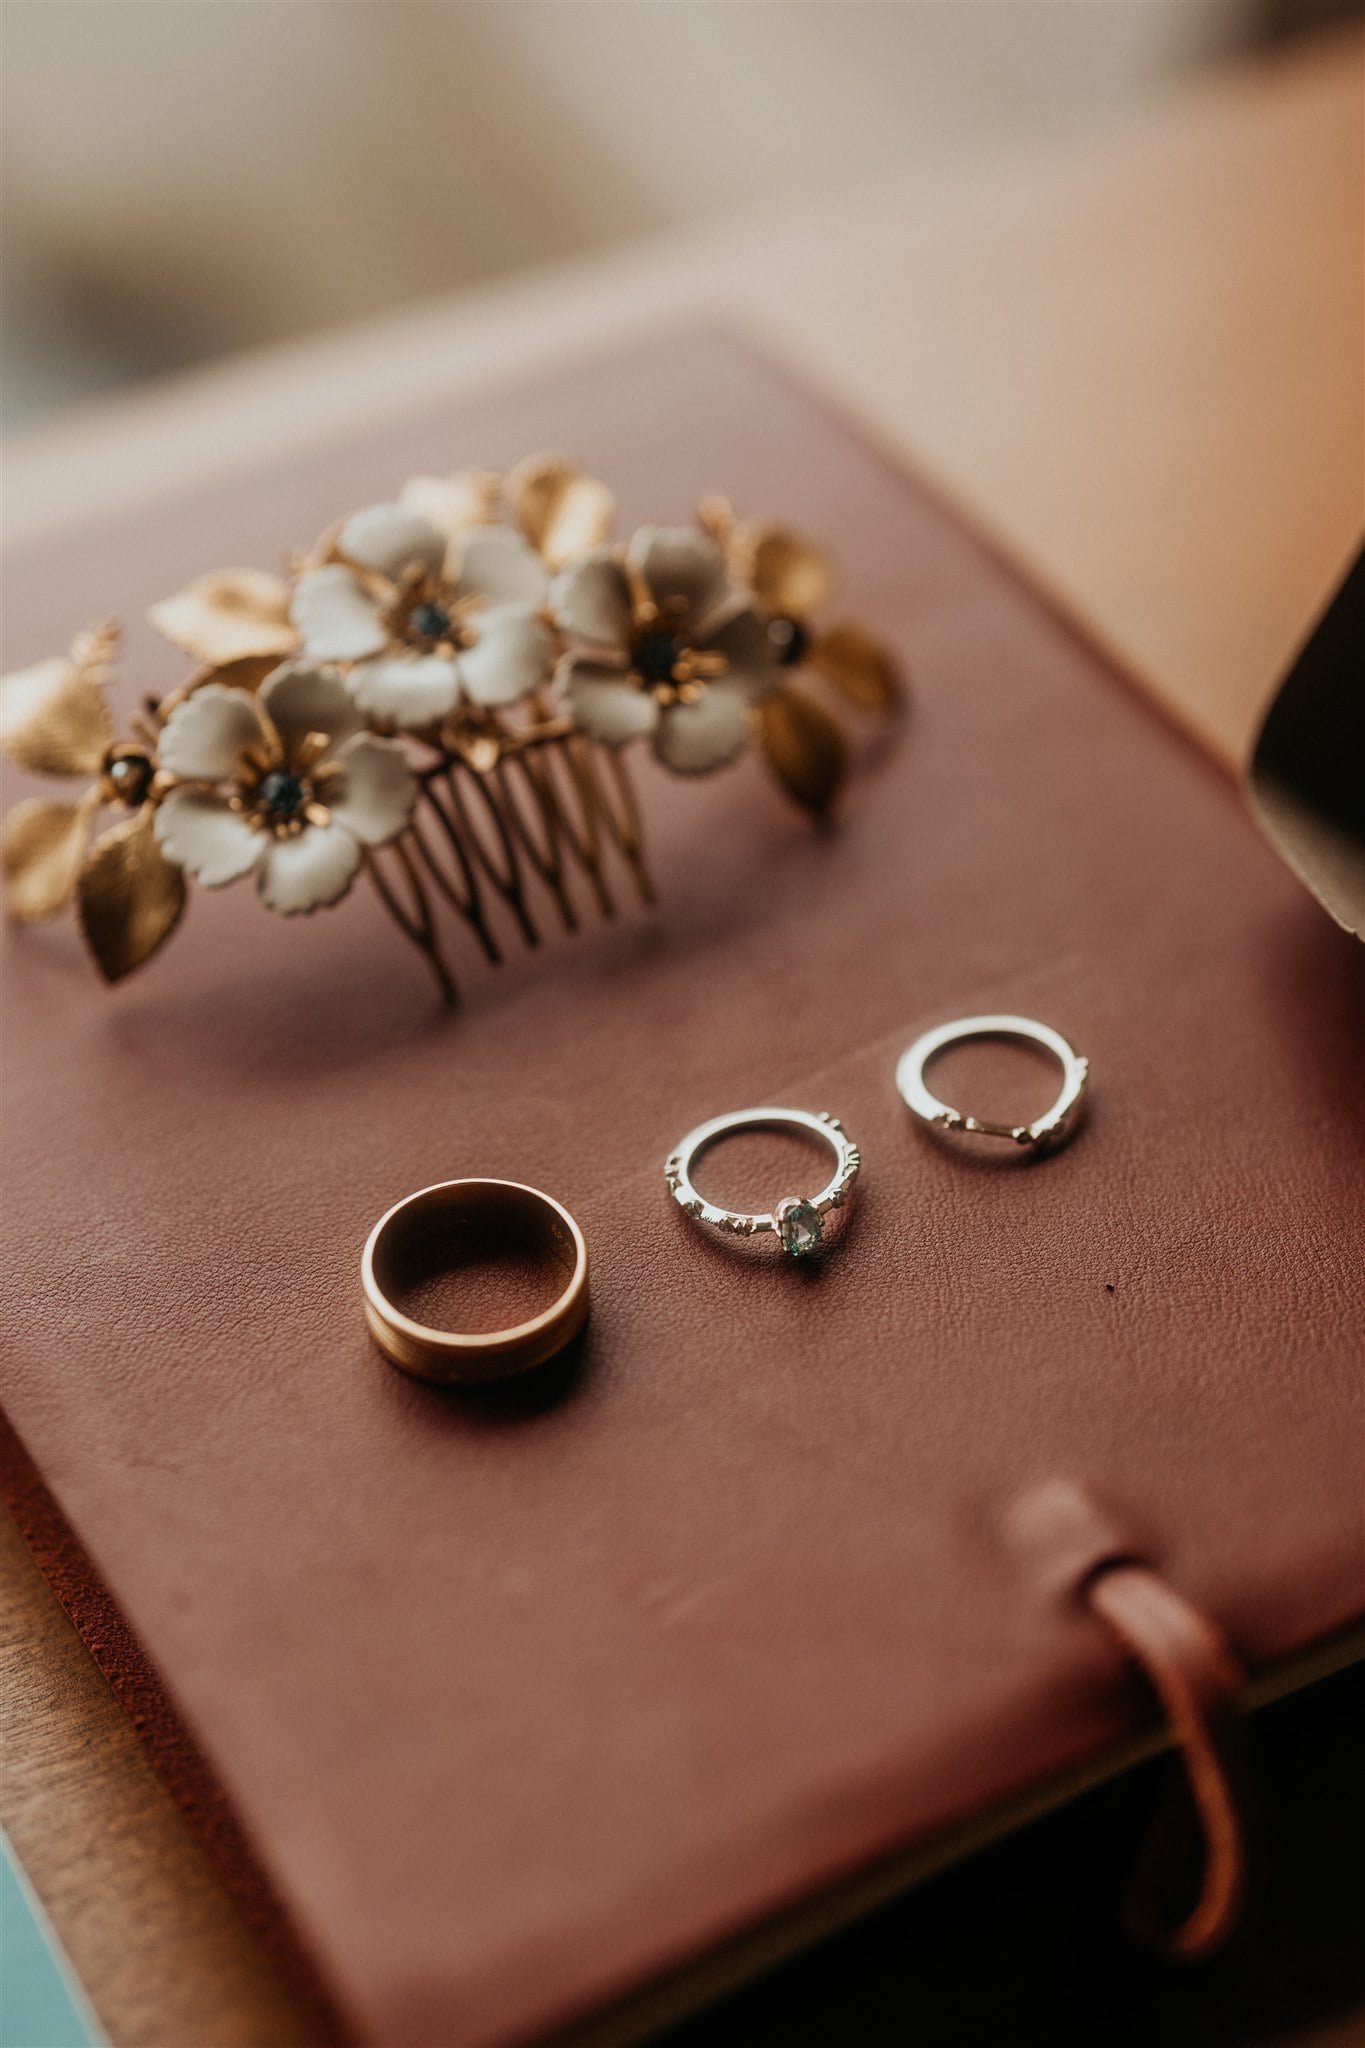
[{"x": 41, "y": 2003}]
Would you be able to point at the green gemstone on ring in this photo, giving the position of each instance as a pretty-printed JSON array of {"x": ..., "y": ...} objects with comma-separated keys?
[{"x": 800, "y": 1227}]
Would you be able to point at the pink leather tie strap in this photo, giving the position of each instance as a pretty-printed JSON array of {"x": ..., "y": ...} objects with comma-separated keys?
[{"x": 1190, "y": 1666}]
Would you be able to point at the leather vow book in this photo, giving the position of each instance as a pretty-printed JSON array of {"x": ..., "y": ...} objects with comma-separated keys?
[{"x": 522, "y": 1704}]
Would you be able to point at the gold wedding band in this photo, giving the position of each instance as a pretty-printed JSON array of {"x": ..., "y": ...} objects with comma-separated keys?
[{"x": 405, "y": 1238}]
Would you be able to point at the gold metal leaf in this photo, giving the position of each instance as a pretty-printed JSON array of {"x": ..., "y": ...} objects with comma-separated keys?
[
  {"x": 247, "y": 674},
  {"x": 43, "y": 845},
  {"x": 53, "y": 716},
  {"x": 804, "y": 747},
  {"x": 95, "y": 648},
  {"x": 716, "y": 516},
  {"x": 129, "y": 897},
  {"x": 786, "y": 572},
  {"x": 562, "y": 511},
  {"x": 858, "y": 664},
  {"x": 454, "y": 503},
  {"x": 229, "y": 615}
]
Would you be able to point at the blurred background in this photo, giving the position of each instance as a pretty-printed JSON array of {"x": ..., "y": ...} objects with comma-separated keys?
[{"x": 185, "y": 178}]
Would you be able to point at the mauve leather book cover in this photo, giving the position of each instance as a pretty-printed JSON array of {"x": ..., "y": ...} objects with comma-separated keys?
[{"x": 525, "y": 1703}]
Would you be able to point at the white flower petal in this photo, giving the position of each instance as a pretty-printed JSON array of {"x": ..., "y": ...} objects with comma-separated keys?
[
  {"x": 389, "y": 537},
  {"x": 498, "y": 566},
  {"x": 335, "y": 619},
  {"x": 308, "y": 869},
  {"x": 207, "y": 732},
  {"x": 743, "y": 639},
  {"x": 454, "y": 503},
  {"x": 201, "y": 833},
  {"x": 684, "y": 571},
  {"x": 591, "y": 599},
  {"x": 512, "y": 656},
  {"x": 410, "y": 689},
  {"x": 606, "y": 705},
  {"x": 694, "y": 738},
  {"x": 379, "y": 791},
  {"x": 303, "y": 700}
]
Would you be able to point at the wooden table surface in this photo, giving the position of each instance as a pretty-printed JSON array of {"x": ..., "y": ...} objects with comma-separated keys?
[{"x": 1136, "y": 358}]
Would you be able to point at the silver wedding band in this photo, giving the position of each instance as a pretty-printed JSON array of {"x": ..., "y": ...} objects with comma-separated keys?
[{"x": 1046, "y": 1132}]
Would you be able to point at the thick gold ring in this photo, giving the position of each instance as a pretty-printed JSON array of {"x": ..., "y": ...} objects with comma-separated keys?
[{"x": 402, "y": 1241}]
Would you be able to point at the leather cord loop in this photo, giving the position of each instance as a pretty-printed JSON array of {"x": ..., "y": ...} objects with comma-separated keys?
[{"x": 1191, "y": 1667}]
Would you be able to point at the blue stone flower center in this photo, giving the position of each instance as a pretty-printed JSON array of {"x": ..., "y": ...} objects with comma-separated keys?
[
  {"x": 431, "y": 621},
  {"x": 280, "y": 796},
  {"x": 789, "y": 639},
  {"x": 657, "y": 656}
]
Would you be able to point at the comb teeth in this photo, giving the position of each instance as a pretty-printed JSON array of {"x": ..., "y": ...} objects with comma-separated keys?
[{"x": 497, "y": 845}]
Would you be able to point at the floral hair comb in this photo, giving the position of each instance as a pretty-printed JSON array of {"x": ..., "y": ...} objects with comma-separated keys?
[{"x": 437, "y": 696}]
